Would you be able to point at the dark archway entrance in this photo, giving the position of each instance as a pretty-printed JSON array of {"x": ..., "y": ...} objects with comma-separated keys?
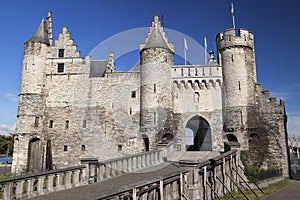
[
  {"x": 35, "y": 155},
  {"x": 198, "y": 135},
  {"x": 146, "y": 141}
]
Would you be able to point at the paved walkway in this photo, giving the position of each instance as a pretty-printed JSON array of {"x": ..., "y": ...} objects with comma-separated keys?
[{"x": 291, "y": 192}]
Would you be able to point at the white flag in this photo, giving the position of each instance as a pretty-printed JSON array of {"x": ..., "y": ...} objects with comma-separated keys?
[
  {"x": 205, "y": 44},
  {"x": 185, "y": 44},
  {"x": 232, "y": 10}
]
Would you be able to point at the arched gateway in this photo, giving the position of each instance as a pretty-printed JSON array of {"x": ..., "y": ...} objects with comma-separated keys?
[{"x": 198, "y": 135}]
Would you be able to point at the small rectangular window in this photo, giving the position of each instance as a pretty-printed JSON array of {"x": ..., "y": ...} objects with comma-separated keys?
[
  {"x": 61, "y": 53},
  {"x": 60, "y": 67},
  {"x": 84, "y": 124},
  {"x": 65, "y": 147},
  {"x": 119, "y": 147},
  {"x": 154, "y": 88},
  {"x": 67, "y": 124},
  {"x": 240, "y": 85},
  {"x": 83, "y": 147},
  {"x": 133, "y": 94},
  {"x": 130, "y": 111},
  {"x": 51, "y": 124},
  {"x": 36, "y": 121}
]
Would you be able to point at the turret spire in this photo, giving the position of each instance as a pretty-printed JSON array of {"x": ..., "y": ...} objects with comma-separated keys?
[
  {"x": 41, "y": 34},
  {"x": 156, "y": 38}
]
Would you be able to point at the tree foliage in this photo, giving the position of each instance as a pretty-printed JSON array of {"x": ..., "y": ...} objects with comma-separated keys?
[{"x": 6, "y": 141}]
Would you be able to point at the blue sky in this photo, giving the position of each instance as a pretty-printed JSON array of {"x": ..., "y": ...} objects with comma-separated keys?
[{"x": 275, "y": 23}]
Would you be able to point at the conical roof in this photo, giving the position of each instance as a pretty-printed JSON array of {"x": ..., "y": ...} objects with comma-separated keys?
[
  {"x": 41, "y": 34},
  {"x": 156, "y": 38}
]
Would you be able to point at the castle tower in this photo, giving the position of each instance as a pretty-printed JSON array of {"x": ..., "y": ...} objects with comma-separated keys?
[
  {"x": 31, "y": 103},
  {"x": 236, "y": 55},
  {"x": 156, "y": 59}
]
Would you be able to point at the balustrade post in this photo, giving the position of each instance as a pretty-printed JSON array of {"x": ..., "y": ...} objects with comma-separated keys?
[
  {"x": 91, "y": 169},
  {"x": 50, "y": 182},
  {"x": 19, "y": 189},
  {"x": 40, "y": 185},
  {"x": 68, "y": 179},
  {"x": 134, "y": 163},
  {"x": 7, "y": 191},
  {"x": 29, "y": 187}
]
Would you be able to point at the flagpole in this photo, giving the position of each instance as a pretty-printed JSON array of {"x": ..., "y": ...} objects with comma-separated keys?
[
  {"x": 205, "y": 50},
  {"x": 232, "y": 13},
  {"x": 185, "y": 47},
  {"x": 184, "y": 56}
]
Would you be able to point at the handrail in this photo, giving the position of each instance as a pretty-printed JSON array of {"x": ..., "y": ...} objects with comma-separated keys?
[
  {"x": 251, "y": 180},
  {"x": 245, "y": 182}
]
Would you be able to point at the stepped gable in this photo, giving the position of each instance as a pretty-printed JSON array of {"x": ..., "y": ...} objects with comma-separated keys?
[{"x": 156, "y": 37}]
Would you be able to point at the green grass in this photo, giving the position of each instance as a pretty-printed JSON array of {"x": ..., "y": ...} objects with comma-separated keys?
[
  {"x": 6, "y": 175},
  {"x": 268, "y": 190}
]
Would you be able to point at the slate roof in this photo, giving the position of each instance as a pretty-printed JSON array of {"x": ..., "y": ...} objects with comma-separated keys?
[
  {"x": 156, "y": 39},
  {"x": 98, "y": 68},
  {"x": 41, "y": 34}
]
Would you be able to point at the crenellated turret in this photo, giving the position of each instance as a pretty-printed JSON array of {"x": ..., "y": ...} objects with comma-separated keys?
[
  {"x": 156, "y": 58},
  {"x": 236, "y": 55}
]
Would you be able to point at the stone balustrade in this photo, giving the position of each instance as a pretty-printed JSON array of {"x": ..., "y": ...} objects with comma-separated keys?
[
  {"x": 35, "y": 184},
  {"x": 99, "y": 171},
  {"x": 27, "y": 186}
]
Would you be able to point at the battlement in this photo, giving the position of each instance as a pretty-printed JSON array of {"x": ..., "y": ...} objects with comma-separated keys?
[
  {"x": 264, "y": 96},
  {"x": 197, "y": 84},
  {"x": 229, "y": 39},
  {"x": 196, "y": 71}
]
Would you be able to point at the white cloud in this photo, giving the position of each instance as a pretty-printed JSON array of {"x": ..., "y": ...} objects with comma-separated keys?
[
  {"x": 6, "y": 130},
  {"x": 11, "y": 97},
  {"x": 294, "y": 126}
]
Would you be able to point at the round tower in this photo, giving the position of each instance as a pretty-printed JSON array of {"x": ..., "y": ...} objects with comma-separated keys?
[
  {"x": 156, "y": 59},
  {"x": 236, "y": 55},
  {"x": 29, "y": 150}
]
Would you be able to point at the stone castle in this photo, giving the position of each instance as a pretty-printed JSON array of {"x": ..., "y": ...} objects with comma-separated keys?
[{"x": 72, "y": 107}]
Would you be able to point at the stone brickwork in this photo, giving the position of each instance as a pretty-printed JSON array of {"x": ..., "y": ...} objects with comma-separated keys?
[{"x": 71, "y": 108}]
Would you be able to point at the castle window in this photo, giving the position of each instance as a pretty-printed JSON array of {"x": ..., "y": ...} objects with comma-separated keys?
[
  {"x": 182, "y": 74},
  {"x": 196, "y": 97},
  {"x": 239, "y": 85},
  {"x": 51, "y": 124},
  {"x": 119, "y": 147},
  {"x": 196, "y": 72},
  {"x": 83, "y": 147},
  {"x": 36, "y": 121},
  {"x": 67, "y": 124},
  {"x": 60, "y": 67},
  {"x": 189, "y": 72},
  {"x": 61, "y": 53},
  {"x": 231, "y": 58},
  {"x": 154, "y": 88},
  {"x": 203, "y": 72},
  {"x": 133, "y": 94},
  {"x": 65, "y": 147},
  {"x": 84, "y": 124},
  {"x": 130, "y": 111}
]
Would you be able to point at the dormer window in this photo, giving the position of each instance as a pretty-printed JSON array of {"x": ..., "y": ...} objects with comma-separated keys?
[
  {"x": 61, "y": 53},
  {"x": 60, "y": 67}
]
